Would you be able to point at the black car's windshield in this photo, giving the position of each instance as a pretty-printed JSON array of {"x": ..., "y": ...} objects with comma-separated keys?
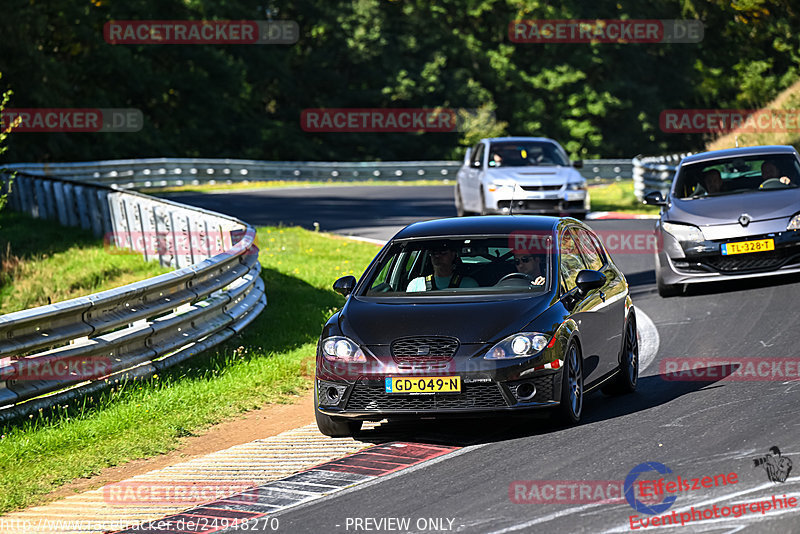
[
  {"x": 738, "y": 175},
  {"x": 525, "y": 153},
  {"x": 468, "y": 265}
]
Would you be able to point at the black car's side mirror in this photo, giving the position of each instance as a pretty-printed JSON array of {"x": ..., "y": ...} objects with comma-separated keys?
[
  {"x": 345, "y": 285},
  {"x": 588, "y": 280},
  {"x": 578, "y": 163},
  {"x": 655, "y": 198}
]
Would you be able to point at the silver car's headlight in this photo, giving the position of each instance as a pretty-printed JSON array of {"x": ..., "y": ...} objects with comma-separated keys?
[
  {"x": 519, "y": 345},
  {"x": 340, "y": 348},
  {"x": 501, "y": 187},
  {"x": 576, "y": 186},
  {"x": 683, "y": 232},
  {"x": 794, "y": 224}
]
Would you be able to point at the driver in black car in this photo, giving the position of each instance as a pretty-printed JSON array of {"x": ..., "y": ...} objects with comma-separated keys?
[{"x": 530, "y": 265}]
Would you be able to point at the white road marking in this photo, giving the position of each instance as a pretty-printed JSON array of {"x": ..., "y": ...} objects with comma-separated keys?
[{"x": 649, "y": 340}]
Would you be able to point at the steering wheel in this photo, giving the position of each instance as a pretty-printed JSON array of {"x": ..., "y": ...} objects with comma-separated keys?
[
  {"x": 509, "y": 276},
  {"x": 772, "y": 183}
]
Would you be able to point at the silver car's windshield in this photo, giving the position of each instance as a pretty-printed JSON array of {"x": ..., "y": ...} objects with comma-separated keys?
[
  {"x": 525, "y": 153},
  {"x": 476, "y": 265},
  {"x": 738, "y": 175}
]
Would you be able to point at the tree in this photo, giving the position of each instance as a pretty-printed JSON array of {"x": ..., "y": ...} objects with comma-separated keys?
[{"x": 5, "y": 187}]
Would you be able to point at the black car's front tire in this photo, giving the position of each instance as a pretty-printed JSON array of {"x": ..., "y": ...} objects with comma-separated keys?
[
  {"x": 628, "y": 377},
  {"x": 571, "y": 401},
  {"x": 335, "y": 427}
]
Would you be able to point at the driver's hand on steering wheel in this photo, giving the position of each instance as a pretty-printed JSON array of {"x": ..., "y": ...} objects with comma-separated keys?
[
  {"x": 785, "y": 180},
  {"x": 539, "y": 281}
]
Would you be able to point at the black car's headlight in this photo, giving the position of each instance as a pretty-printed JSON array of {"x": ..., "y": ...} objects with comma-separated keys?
[
  {"x": 683, "y": 232},
  {"x": 519, "y": 345},
  {"x": 340, "y": 348}
]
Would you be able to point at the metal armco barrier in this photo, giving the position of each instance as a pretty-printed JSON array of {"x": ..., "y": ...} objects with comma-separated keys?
[
  {"x": 161, "y": 172},
  {"x": 138, "y": 329},
  {"x": 655, "y": 173}
]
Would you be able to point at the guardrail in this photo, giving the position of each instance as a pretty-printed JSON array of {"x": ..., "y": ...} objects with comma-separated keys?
[
  {"x": 655, "y": 173},
  {"x": 138, "y": 329},
  {"x": 162, "y": 172}
]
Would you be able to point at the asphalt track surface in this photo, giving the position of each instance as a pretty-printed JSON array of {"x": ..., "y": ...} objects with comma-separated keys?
[{"x": 696, "y": 428}]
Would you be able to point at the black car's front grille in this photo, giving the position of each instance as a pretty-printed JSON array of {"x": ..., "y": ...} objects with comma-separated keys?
[
  {"x": 373, "y": 398},
  {"x": 754, "y": 262},
  {"x": 424, "y": 349}
]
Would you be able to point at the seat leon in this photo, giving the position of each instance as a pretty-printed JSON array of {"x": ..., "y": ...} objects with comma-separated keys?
[{"x": 477, "y": 316}]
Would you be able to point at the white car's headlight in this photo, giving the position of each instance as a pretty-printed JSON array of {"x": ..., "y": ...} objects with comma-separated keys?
[
  {"x": 794, "y": 224},
  {"x": 519, "y": 345},
  {"x": 576, "y": 186},
  {"x": 342, "y": 349},
  {"x": 683, "y": 232},
  {"x": 501, "y": 186}
]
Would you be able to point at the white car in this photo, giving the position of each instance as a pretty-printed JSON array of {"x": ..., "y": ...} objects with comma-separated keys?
[{"x": 505, "y": 175}]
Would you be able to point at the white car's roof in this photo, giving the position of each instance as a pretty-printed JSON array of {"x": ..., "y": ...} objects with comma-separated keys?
[{"x": 502, "y": 139}]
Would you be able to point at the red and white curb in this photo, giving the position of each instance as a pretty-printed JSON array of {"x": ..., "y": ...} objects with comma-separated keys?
[{"x": 253, "y": 506}]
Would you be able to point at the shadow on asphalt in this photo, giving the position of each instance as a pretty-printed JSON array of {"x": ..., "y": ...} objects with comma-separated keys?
[{"x": 652, "y": 391}]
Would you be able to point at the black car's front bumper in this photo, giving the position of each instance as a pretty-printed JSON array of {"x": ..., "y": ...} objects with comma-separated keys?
[{"x": 366, "y": 398}]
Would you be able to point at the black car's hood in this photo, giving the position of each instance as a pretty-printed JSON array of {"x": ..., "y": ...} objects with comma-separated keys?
[
  {"x": 726, "y": 209},
  {"x": 379, "y": 323}
]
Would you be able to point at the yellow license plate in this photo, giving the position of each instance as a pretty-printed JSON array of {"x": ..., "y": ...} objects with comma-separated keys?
[
  {"x": 423, "y": 384},
  {"x": 745, "y": 247}
]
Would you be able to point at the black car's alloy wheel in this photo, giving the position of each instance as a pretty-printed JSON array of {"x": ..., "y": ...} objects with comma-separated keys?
[
  {"x": 628, "y": 377},
  {"x": 571, "y": 405}
]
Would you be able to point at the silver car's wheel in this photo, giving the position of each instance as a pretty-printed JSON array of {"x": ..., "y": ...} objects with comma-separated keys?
[
  {"x": 460, "y": 211},
  {"x": 484, "y": 209}
]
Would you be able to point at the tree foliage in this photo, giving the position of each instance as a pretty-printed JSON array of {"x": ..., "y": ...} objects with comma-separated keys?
[{"x": 245, "y": 101}]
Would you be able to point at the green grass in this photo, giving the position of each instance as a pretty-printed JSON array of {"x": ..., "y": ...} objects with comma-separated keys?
[
  {"x": 42, "y": 262},
  {"x": 618, "y": 197},
  {"x": 271, "y": 362},
  {"x": 239, "y": 186}
]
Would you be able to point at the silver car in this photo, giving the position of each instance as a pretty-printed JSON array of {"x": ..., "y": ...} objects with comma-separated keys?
[
  {"x": 520, "y": 175},
  {"x": 729, "y": 214}
]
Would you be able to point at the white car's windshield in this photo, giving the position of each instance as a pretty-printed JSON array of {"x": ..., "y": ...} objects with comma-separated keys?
[{"x": 525, "y": 153}]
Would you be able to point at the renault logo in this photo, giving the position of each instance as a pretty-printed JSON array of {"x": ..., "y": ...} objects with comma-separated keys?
[
  {"x": 744, "y": 219},
  {"x": 423, "y": 350}
]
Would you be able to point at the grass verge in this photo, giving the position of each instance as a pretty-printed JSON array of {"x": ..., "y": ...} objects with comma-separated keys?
[
  {"x": 618, "y": 196},
  {"x": 270, "y": 362},
  {"x": 42, "y": 262}
]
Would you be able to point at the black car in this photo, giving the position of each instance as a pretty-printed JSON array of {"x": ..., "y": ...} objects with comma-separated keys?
[{"x": 477, "y": 316}]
